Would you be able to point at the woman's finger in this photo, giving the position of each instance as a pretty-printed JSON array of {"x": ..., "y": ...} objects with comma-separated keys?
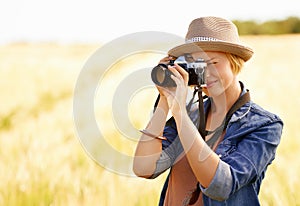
[
  {"x": 179, "y": 73},
  {"x": 183, "y": 73},
  {"x": 174, "y": 71},
  {"x": 166, "y": 60}
]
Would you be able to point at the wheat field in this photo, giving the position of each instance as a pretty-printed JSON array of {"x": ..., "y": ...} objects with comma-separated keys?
[{"x": 43, "y": 162}]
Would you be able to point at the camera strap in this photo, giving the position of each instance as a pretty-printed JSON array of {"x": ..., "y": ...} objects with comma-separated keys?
[
  {"x": 202, "y": 123},
  {"x": 243, "y": 99}
]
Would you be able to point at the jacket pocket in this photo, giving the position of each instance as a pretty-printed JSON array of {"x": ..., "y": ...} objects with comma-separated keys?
[{"x": 225, "y": 148}]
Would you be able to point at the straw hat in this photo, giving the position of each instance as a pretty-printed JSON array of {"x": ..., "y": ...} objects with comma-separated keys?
[{"x": 212, "y": 34}]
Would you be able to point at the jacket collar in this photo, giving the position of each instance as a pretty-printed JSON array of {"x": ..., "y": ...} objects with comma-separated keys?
[{"x": 240, "y": 113}]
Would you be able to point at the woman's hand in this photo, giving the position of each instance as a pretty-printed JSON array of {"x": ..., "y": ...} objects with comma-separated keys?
[
  {"x": 166, "y": 60},
  {"x": 176, "y": 96}
]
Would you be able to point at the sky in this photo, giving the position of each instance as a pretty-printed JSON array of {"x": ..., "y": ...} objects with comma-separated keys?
[{"x": 102, "y": 21}]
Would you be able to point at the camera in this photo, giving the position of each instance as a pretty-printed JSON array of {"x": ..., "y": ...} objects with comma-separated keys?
[{"x": 161, "y": 75}]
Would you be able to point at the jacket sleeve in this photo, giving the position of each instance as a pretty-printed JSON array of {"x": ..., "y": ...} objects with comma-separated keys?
[
  {"x": 245, "y": 161},
  {"x": 171, "y": 149}
]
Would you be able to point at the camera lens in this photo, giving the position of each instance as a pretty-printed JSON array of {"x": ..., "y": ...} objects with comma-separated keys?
[{"x": 161, "y": 76}]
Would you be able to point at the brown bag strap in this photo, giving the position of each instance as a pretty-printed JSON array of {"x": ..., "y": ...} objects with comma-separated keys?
[{"x": 219, "y": 130}]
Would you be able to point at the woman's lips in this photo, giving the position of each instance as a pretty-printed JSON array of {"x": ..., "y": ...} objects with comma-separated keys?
[{"x": 210, "y": 83}]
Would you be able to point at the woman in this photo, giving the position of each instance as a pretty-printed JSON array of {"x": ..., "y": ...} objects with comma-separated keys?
[{"x": 225, "y": 163}]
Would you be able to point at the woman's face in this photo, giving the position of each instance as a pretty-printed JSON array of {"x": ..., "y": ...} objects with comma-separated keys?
[{"x": 219, "y": 75}]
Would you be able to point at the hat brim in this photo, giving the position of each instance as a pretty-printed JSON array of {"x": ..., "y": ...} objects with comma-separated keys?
[{"x": 218, "y": 46}]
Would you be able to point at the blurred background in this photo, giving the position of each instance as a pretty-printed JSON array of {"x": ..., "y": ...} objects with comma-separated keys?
[{"x": 45, "y": 44}]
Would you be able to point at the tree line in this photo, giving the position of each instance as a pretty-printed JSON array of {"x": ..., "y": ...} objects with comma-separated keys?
[{"x": 290, "y": 25}]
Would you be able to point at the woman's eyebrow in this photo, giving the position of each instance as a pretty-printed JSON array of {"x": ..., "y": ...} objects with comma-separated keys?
[{"x": 210, "y": 60}]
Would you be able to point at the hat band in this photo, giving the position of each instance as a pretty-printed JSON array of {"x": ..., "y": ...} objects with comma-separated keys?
[{"x": 201, "y": 38}]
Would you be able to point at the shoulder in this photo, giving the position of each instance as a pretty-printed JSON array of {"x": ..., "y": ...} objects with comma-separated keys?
[
  {"x": 253, "y": 119},
  {"x": 252, "y": 113}
]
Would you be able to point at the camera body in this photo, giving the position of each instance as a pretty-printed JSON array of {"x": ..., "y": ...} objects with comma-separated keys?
[{"x": 161, "y": 75}]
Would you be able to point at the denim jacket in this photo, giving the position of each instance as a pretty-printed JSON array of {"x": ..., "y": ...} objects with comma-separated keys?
[{"x": 248, "y": 147}]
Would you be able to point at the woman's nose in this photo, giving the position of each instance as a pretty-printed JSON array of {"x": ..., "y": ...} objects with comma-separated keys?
[{"x": 207, "y": 73}]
